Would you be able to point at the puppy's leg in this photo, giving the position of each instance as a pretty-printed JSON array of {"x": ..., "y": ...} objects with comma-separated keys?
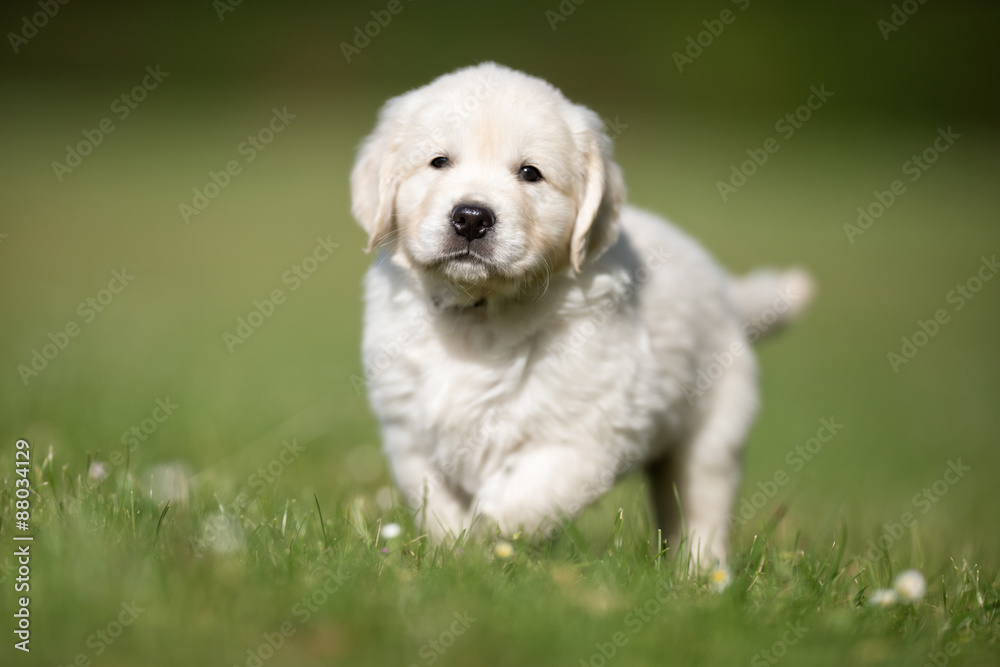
[
  {"x": 536, "y": 487},
  {"x": 707, "y": 469},
  {"x": 439, "y": 508}
]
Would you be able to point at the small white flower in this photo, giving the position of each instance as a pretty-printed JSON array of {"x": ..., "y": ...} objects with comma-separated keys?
[
  {"x": 221, "y": 533},
  {"x": 910, "y": 586},
  {"x": 503, "y": 549},
  {"x": 719, "y": 579},
  {"x": 884, "y": 597},
  {"x": 98, "y": 472},
  {"x": 170, "y": 482},
  {"x": 391, "y": 531}
]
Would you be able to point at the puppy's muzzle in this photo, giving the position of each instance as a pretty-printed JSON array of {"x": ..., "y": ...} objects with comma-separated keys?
[{"x": 472, "y": 221}]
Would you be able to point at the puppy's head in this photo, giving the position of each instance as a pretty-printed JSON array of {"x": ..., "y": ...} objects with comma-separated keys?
[{"x": 488, "y": 178}]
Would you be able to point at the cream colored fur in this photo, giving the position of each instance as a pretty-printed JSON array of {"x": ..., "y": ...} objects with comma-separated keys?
[{"x": 582, "y": 339}]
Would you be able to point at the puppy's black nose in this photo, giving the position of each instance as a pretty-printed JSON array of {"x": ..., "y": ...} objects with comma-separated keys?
[{"x": 472, "y": 220}]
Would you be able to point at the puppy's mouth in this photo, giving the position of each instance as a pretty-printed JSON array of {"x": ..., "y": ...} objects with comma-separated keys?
[
  {"x": 467, "y": 256},
  {"x": 469, "y": 266},
  {"x": 472, "y": 255}
]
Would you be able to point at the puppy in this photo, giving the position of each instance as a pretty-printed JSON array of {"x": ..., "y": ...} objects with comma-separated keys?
[{"x": 528, "y": 338}]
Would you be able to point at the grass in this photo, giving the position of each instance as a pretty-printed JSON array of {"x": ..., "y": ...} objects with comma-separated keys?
[
  {"x": 222, "y": 543},
  {"x": 214, "y": 582}
]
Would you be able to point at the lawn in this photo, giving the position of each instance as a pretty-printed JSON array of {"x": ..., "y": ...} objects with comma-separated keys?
[{"x": 205, "y": 479}]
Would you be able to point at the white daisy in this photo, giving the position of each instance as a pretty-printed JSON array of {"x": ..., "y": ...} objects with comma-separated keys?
[
  {"x": 503, "y": 549},
  {"x": 719, "y": 579},
  {"x": 391, "y": 531},
  {"x": 221, "y": 534},
  {"x": 910, "y": 586},
  {"x": 170, "y": 482},
  {"x": 884, "y": 597},
  {"x": 99, "y": 471}
]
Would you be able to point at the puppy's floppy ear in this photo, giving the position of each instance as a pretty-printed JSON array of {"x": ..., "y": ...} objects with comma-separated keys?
[
  {"x": 375, "y": 178},
  {"x": 597, "y": 226}
]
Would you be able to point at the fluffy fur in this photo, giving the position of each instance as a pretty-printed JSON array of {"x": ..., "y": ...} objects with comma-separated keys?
[{"x": 517, "y": 376}]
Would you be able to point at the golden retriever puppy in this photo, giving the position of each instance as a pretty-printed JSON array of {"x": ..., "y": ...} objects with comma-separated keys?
[{"x": 528, "y": 338}]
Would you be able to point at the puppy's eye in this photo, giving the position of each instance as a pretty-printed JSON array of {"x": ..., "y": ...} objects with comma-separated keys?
[
  {"x": 440, "y": 162},
  {"x": 529, "y": 173}
]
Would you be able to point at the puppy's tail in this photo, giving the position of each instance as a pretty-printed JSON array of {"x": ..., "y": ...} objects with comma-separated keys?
[{"x": 768, "y": 300}]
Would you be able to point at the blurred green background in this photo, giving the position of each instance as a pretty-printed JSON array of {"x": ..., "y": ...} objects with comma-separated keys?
[{"x": 679, "y": 133}]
